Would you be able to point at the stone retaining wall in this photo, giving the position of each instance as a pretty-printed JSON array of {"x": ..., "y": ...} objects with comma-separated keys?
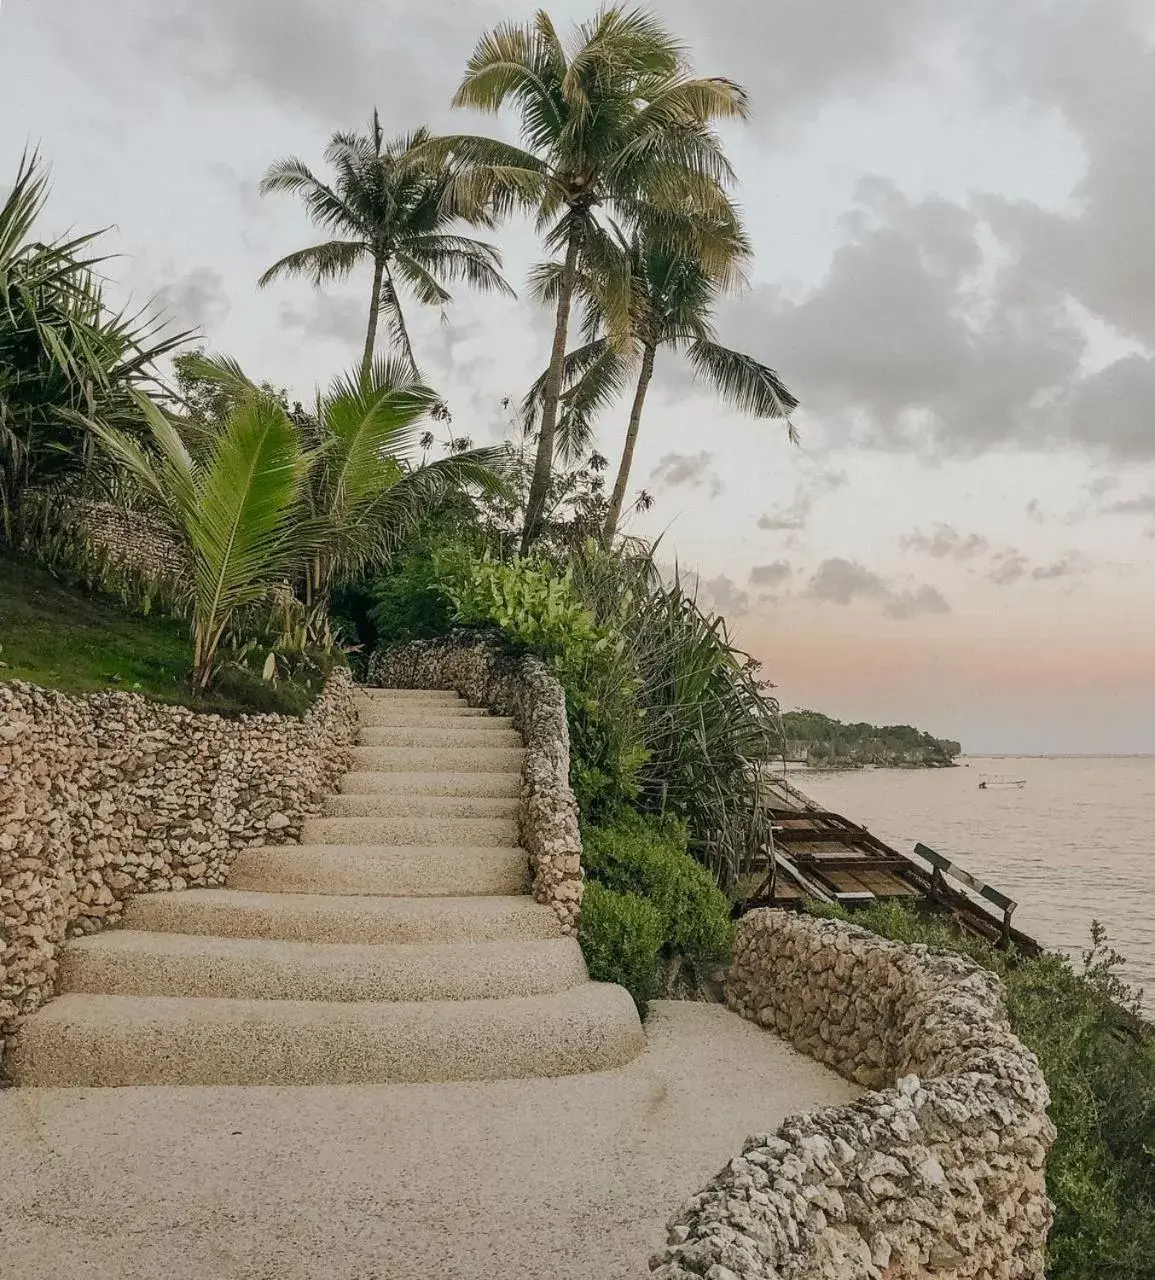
[
  {"x": 940, "y": 1175},
  {"x": 110, "y": 794},
  {"x": 482, "y": 669},
  {"x": 134, "y": 540}
]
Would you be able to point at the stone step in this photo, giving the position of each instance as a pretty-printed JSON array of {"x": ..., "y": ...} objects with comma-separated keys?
[
  {"x": 428, "y": 871},
  {"x": 129, "y": 962},
  {"x": 470, "y": 733},
  {"x": 92, "y": 1040},
  {"x": 488, "y": 832},
  {"x": 482, "y": 759},
  {"x": 389, "y": 715},
  {"x": 410, "y": 695},
  {"x": 411, "y": 806},
  {"x": 368, "y": 782},
  {"x": 327, "y": 917}
]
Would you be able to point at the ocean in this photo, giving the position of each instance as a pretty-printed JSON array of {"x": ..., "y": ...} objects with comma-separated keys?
[{"x": 1076, "y": 843}]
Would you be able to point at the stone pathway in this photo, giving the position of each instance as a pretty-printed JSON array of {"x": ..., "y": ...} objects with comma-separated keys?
[
  {"x": 539, "y": 1179},
  {"x": 397, "y": 942}
]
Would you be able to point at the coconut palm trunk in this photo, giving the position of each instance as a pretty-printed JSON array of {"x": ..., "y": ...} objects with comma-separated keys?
[
  {"x": 617, "y": 497},
  {"x": 399, "y": 325},
  {"x": 543, "y": 463},
  {"x": 374, "y": 316}
]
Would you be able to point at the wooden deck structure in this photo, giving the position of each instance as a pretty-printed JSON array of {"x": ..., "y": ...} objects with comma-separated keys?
[{"x": 818, "y": 854}]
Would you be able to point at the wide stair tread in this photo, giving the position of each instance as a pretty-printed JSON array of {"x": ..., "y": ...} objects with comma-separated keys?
[
  {"x": 326, "y": 917},
  {"x": 415, "y": 830},
  {"x": 91, "y": 1040},
  {"x": 483, "y": 759},
  {"x": 402, "y": 870},
  {"x": 131, "y": 962},
  {"x": 469, "y": 734},
  {"x": 434, "y": 715},
  {"x": 415, "y": 806},
  {"x": 366, "y": 782}
]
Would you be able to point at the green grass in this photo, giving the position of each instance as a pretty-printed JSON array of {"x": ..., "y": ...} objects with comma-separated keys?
[{"x": 60, "y": 636}]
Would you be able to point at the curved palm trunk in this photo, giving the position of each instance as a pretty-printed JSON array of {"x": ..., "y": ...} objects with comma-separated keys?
[
  {"x": 374, "y": 313},
  {"x": 619, "y": 493},
  {"x": 543, "y": 463},
  {"x": 399, "y": 320}
]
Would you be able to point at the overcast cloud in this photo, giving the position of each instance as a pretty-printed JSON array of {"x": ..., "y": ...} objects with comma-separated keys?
[{"x": 951, "y": 206}]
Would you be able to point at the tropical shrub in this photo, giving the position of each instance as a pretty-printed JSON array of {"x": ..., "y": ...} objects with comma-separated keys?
[
  {"x": 621, "y": 937},
  {"x": 1098, "y": 1057},
  {"x": 707, "y": 720},
  {"x": 648, "y": 856},
  {"x": 534, "y": 604},
  {"x": 65, "y": 357}
]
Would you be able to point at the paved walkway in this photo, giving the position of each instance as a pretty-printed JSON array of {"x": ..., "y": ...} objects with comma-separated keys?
[{"x": 540, "y": 1179}]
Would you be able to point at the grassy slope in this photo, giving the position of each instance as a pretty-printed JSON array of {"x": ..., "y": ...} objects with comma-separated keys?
[{"x": 61, "y": 637}]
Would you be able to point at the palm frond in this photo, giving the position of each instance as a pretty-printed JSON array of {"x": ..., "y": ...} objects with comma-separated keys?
[
  {"x": 743, "y": 382},
  {"x": 333, "y": 260}
]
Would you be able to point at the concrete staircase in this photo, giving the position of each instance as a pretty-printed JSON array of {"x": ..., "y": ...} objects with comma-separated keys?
[{"x": 398, "y": 942}]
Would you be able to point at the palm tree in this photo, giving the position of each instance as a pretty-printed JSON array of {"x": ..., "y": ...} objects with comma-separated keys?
[
  {"x": 615, "y": 122},
  {"x": 236, "y": 510},
  {"x": 391, "y": 204},
  {"x": 367, "y": 485},
  {"x": 673, "y": 298}
]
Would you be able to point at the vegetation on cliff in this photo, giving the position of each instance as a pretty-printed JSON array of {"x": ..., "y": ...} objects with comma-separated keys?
[{"x": 819, "y": 740}]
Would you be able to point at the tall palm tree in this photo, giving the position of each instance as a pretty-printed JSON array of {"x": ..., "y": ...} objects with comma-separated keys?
[
  {"x": 392, "y": 204},
  {"x": 673, "y": 298},
  {"x": 613, "y": 122}
]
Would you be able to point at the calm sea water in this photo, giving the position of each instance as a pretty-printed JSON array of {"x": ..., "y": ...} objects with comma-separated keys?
[{"x": 1076, "y": 843}]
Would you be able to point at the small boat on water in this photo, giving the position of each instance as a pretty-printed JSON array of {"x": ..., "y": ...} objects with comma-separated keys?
[{"x": 993, "y": 781}]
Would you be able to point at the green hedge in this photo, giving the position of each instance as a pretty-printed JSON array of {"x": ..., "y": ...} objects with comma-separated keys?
[
  {"x": 640, "y": 862},
  {"x": 621, "y": 938}
]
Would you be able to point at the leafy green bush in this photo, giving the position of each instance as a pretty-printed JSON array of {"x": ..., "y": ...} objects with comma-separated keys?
[
  {"x": 535, "y": 605},
  {"x": 648, "y": 857},
  {"x": 1098, "y": 1057},
  {"x": 408, "y": 603},
  {"x": 621, "y": 937}
]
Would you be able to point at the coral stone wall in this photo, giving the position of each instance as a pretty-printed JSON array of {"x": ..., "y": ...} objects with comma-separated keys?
[
  {"x": 940, "y": 1175},
  {"x": 109, "y": 795},
  {"x": 484, "y": 672},
  {"x": 133, "y": 540}
]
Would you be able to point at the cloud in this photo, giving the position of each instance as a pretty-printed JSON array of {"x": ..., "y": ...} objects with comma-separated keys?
[
  {"x": 328, "y": 317},
  {"x": 334, "y": 60},
  {"x": 723, "y": 595},
  {"x": 770, "y": 575},
  {"x": 903, "y": 344},
  {"x": 694, "y": 470},
  {"x": 796, "y": 514},
  {"x": 1011, "y": 566},
  {"x": 1141, "y": 505},
  {"x": 1034, "y": 512},
  {"x": 196, "y": 301},
  {"x": 840, "y": 581},
  {"x": 945, "y": 542},
  {"x": 1008, "y": 567},
  {"x": 913, "y": 604},
  {"x": 1065, "y": 567}
]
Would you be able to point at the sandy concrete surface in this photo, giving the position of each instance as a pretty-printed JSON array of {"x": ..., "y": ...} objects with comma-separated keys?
[{"x": 565, "y": 1179}]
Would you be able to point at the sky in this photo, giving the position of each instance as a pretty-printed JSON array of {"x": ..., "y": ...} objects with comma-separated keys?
[{"x": 951, "y": 205}]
